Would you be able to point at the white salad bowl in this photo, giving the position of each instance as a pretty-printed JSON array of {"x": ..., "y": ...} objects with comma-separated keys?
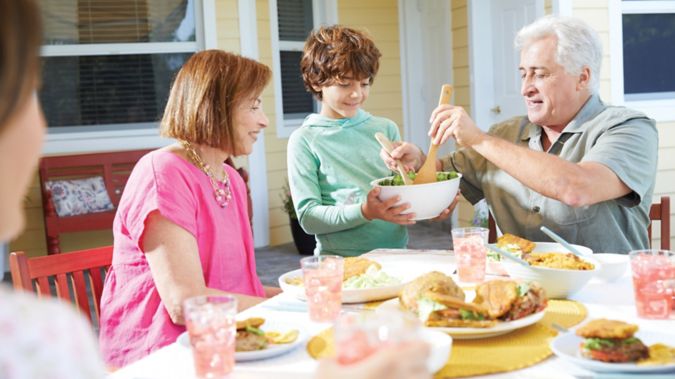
[{"x": 426, "y": 200}]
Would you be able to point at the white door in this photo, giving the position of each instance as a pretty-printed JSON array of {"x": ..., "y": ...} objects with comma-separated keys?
[
  {"x": 495, "y": 84},
  {"x": 426, "y": 64}
]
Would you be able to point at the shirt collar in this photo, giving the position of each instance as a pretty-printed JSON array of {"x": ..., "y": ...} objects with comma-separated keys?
[{"x": 591, "y": 108}]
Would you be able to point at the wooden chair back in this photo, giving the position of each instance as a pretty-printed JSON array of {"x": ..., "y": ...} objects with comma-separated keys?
[
  {"x": 73, "y": 277},
  {"x": 661, "y": 212}
]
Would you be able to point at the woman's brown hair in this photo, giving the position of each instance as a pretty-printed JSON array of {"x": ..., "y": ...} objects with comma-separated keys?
[
  {"x": 334, "y": 52},
  {"x": 20, "y": 41},
  {"x": 203, "y": 96}
]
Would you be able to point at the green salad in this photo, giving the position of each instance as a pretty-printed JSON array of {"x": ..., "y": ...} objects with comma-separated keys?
[{"x": 397, "y": 180}]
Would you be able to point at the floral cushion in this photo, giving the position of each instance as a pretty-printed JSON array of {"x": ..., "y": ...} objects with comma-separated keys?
[{"x": 80, "y": 196}]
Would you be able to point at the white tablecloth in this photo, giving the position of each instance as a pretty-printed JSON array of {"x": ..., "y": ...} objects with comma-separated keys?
[{"x": 602, "y": 299}]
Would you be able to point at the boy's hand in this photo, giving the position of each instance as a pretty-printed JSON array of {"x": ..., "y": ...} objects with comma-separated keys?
[
  {"x": 408, "y": 154},
  {"x": 447, "y": 211},
  {"x": 387, "y": 210}
]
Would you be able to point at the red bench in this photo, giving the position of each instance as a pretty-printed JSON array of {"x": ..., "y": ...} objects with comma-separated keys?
[{"x": 114, "y": 167}]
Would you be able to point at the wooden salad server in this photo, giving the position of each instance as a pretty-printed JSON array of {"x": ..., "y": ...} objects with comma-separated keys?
[{"x": 427, "y": 173}]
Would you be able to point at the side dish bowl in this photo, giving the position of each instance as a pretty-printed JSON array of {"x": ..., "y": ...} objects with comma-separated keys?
[
  {"x": 558, "y": 283},
  {"x": 426, "y": 200}
]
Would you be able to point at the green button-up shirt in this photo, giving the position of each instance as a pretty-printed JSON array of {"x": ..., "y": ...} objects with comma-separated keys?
[{"x": 624, "y": 140}]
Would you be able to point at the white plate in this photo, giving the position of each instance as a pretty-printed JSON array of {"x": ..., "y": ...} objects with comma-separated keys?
[
  {"x": 441, "y": 345},
  {"x": 566, "y": 346},
  {"x": 348, "y": 296},
  {"x": 475, "y": 333},
  {"x": 272, "y": 350}
]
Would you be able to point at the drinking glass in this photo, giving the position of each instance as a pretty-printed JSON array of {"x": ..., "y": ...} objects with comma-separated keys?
[
  {"x": 653, "y": 282},
  {"x": 470, "y": 247},
  {"x": 322, "y": 277},
  {"x": 358, "y": 335},
  {"x": 211, "y": 324}
]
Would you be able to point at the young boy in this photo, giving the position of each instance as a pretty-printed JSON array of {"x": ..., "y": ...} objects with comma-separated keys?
[{"x": 334, "y": 156}]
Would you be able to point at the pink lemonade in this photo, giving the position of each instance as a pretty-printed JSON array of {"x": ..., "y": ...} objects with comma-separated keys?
[
  {"x": 471, "y": 256},
  {"x": 210, "y": 322},
  {"x": 356, "y": 346},
  {"x": 652, "y": 277},
  {"x": 323, "y": 288},
  {"x": 212, "y": 349}
]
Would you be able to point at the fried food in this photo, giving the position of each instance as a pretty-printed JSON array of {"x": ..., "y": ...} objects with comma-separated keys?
[
  {"x": 254, "y": 322},
  {"x": 294, "y": 280},
  {"x": 250, "y": 341},
  {"x": 611, "y": 341},
  {"x": 497, "y": 296},
  {"x": 354, "y": 266},
  {"x": 282, "y": 338},
  {"x": 507, "y": 300},
  {"x": 508, "y": 240},
  {"x": 603, "y": 328},
  {"x": 565, "y": 261},
  {"x": 435, "y": 282},
  {"x": 659, "y": 354}
]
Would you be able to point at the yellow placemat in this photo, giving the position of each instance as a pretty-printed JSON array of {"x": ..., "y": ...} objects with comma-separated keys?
[{"x": 508, "y": 352}]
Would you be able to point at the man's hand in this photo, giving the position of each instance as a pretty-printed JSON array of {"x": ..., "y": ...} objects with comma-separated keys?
[
  {"x": 453, "y": 121},
  {"x": 386, "y": 210},
  {"x": 410, "y": 156}
]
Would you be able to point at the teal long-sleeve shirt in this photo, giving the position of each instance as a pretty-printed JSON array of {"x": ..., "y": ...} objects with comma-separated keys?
[{"x": 330, "y": 166}]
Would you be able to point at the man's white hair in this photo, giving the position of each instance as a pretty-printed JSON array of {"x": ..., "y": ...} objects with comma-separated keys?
[{"x": 579, "y": 45}]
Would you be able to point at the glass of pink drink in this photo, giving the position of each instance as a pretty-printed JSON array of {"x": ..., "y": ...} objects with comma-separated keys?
[
  {"x": 322, "y": 277},
  {"x": 653, "y": 282},
  {"x": 358, "y": 335},
  {"x": 470, "y": 247},
  {"x": 211, "y": 324}
]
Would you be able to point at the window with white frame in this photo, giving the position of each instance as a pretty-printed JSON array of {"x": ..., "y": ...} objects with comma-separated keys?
[
  {"x": 109, "y": 64},
  {"x": 291, "y": 22},
  {"x": 642, "y": 59}
]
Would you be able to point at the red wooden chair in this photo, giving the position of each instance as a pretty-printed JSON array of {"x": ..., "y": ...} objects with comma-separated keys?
[
  {"x": 661, "y": 212},
  {"x": 75, "y": 276}
]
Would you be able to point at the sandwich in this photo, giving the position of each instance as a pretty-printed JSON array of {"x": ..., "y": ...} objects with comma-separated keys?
[
  {"x": 508, "y": 300},
  {"x": 438, "y": 301},
  {"x": 611, "y": 341},
  {"x": 249, "y": 335}
]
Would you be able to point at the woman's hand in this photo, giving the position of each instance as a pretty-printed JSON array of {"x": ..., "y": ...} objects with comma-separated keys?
[{"x": 387, "y": 210}]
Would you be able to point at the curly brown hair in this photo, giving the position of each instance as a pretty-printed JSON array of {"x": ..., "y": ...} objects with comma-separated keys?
[
  {"x": 336, "y": 52},
  {"x": 203, "y": 96}
]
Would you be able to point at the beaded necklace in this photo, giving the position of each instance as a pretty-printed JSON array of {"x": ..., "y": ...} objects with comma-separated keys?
[{"x": 221, "y": 189}]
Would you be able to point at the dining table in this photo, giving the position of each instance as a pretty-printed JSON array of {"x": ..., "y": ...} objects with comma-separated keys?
[{"x": 601, "y": 299}]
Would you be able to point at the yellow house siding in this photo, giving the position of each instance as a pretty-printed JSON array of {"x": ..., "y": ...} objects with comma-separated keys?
[
  {"x": 596, "y": 13},
  {"x": 275, "y": 148},
  {"x": 380, "y": 19},
  {"x": 461, "y": 77}
]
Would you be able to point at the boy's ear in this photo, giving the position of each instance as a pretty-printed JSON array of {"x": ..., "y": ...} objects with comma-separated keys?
[{"x": 316, "y": 89}]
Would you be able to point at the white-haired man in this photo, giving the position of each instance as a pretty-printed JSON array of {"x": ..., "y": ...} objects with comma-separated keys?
[{"x": 583, "y": 169}]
